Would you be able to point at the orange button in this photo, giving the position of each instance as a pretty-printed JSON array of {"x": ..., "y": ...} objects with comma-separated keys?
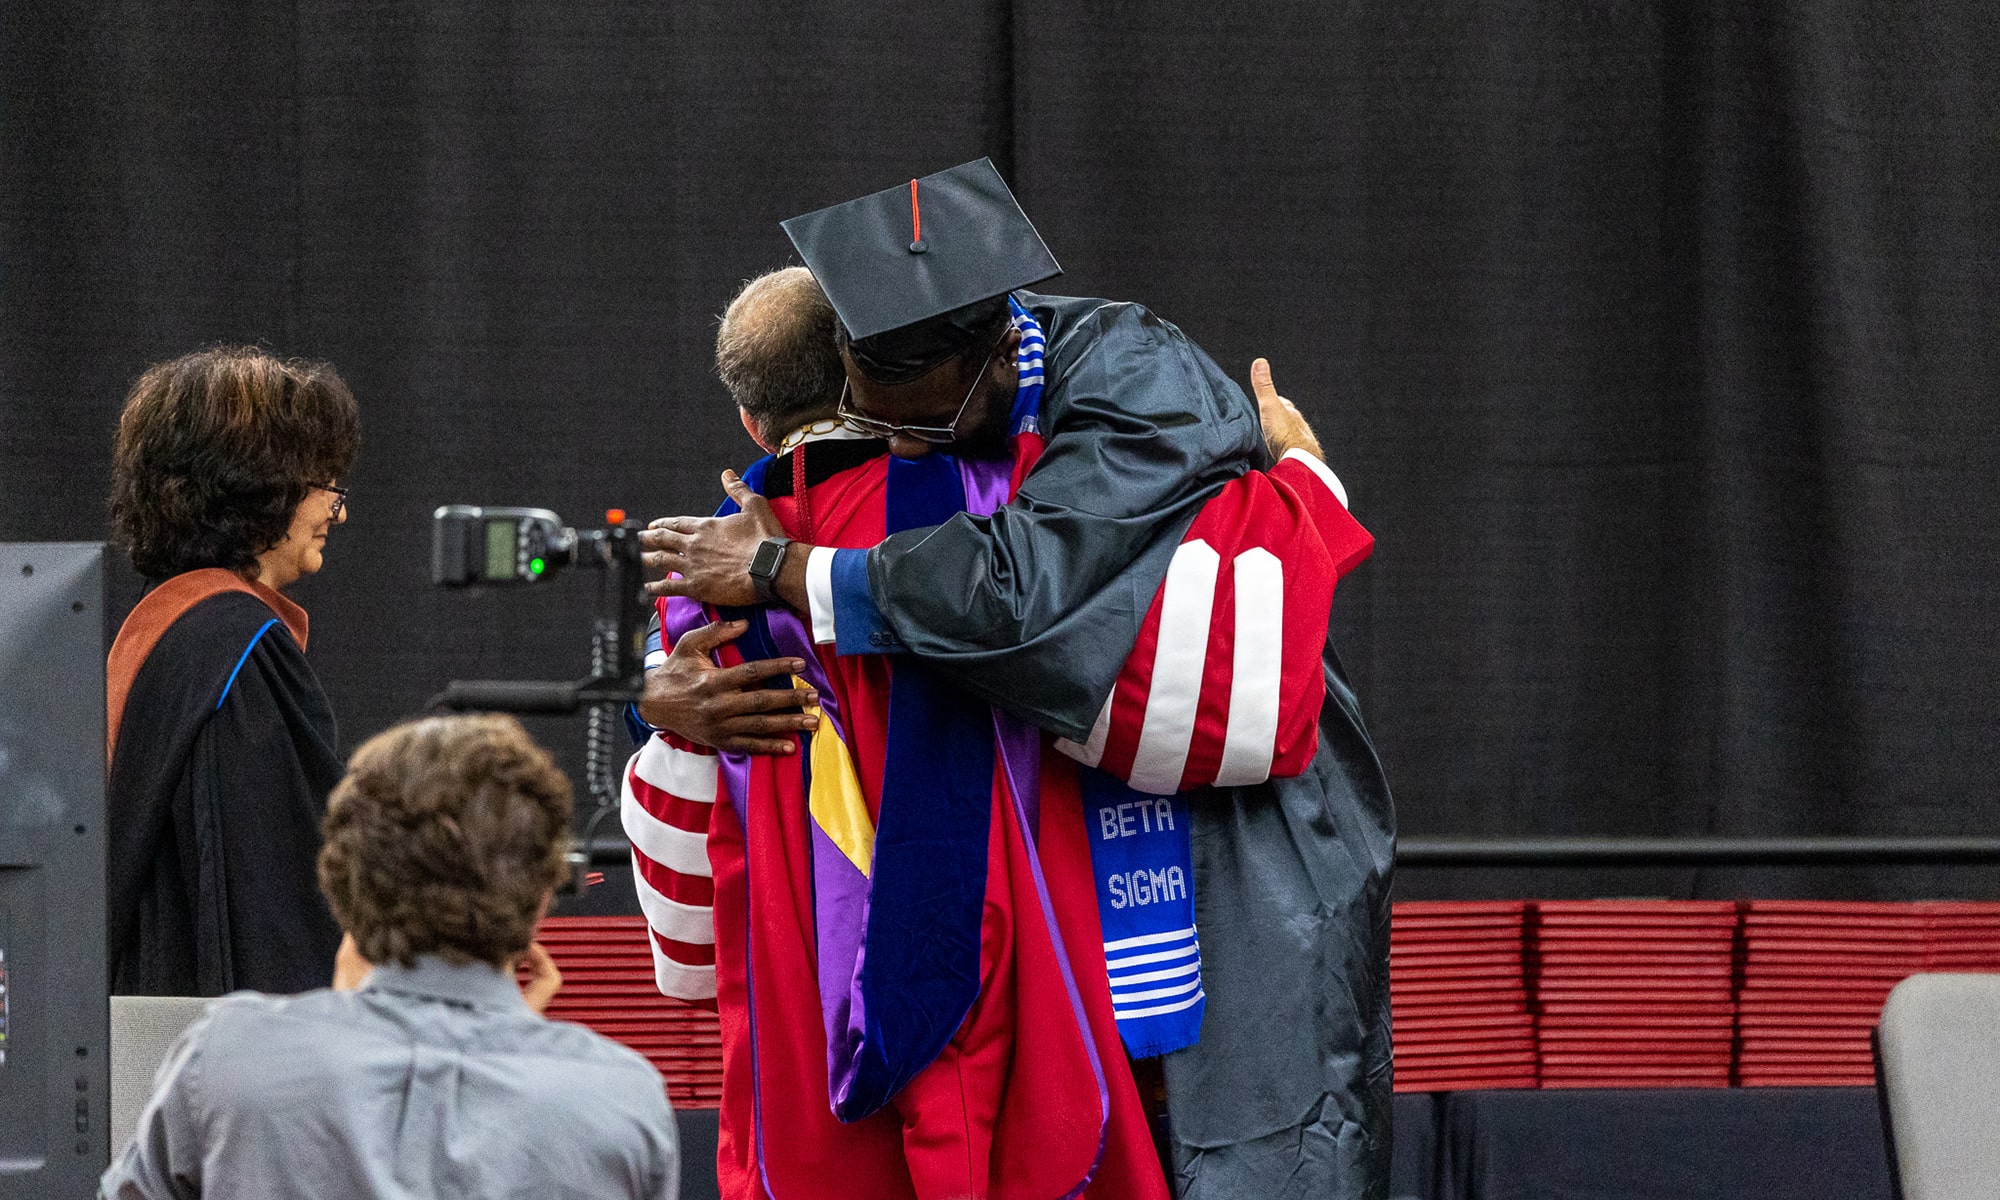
[{"x": 614, "y": 516}]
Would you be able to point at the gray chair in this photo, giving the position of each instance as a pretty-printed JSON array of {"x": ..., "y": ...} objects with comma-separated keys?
[
  {"x": 1938, "y": 1048},
  {"x": 143, "y": 1029}
]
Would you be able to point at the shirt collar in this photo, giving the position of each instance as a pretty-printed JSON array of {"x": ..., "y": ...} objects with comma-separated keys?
[
  {"x": 830, "y": 429},
  {"x": 480, "y": 985}
]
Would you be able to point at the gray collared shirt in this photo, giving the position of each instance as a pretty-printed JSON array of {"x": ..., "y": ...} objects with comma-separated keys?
[{"x": 430, "y": 1081}]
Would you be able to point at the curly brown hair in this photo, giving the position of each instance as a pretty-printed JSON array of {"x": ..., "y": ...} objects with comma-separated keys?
[
  {"x": 217, "y": 449},
  {"x": 443, "y": 839}
]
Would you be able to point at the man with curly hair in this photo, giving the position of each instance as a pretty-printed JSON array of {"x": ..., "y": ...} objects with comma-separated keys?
[
  {"x": 426, "y": 1071},
  {"x": 222, "y": 747}
]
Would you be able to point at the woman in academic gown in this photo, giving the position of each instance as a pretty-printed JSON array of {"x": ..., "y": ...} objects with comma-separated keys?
[{"x": 221, "y": 745}]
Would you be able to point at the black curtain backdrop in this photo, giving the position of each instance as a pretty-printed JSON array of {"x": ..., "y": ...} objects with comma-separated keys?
[{"x": 1655, "y": 342}]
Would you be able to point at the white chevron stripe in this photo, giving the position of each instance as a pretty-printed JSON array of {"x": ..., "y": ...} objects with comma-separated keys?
[
  {"x": 670, "y": 918},
  {"x": 675, "y": 849},
  {"x": 1186, "y": 606},
  {"x": 1258, "y": 668},
  {"x": 1091, "y": 752},
  {"x": 1155, "y": 976},
  {"x": 684, "y": 773},
  {"x": 680, "y": 981},
  {"x": 1149, "y": 939},
  {"x": 1179, "y": 989},
  {"x": 1140, "y": 960},
  {"x": 1132, "y": 1014},
  {"x": 1325, "y": 473}
]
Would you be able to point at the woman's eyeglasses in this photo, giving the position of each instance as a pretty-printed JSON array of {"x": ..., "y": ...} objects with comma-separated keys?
[{"x": 339, "y": 499}]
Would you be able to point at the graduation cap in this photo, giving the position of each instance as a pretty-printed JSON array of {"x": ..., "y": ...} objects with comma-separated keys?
[{"x": 916, "y": 272}]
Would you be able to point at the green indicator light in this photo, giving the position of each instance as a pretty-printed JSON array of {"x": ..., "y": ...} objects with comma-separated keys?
[{"x": 535, "y": 566}]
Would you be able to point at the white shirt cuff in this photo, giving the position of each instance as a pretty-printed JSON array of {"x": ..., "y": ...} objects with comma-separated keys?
[{"x": 819, "y": 593}]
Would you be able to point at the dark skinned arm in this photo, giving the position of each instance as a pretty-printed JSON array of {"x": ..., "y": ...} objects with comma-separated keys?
[
  {"x": 712, "y": 554},
  {"x": 727, "y": 708}
]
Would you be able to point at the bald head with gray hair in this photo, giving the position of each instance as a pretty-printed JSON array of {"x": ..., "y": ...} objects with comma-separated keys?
[{"x": 776, "y": 353}]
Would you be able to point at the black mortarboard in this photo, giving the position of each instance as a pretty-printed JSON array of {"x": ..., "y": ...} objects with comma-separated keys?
[{"x": 909, "y": 254}]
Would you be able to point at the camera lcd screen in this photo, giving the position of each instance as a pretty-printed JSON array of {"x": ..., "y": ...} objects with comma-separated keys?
[{"x": 500, "y": 549}]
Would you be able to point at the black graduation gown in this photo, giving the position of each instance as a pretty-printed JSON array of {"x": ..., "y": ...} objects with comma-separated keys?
[
  {"x": 1035, "y": 609},
  {"x": 224, "y": 759}
]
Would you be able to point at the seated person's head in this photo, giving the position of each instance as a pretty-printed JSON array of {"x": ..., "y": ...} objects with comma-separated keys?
[
  {"x": 776, "y": 353},
  {"x": 442, "y": 846},
  {"x": 446, "y": 838},
  {"x": 225, "y": 457}
]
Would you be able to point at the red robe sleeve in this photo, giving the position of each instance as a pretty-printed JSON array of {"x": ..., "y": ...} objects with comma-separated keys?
[
  {"x": 669, "y": 792},
  {"x": 1224, "y": 686}
]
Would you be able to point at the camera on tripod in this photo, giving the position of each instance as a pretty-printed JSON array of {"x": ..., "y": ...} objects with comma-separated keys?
[
  {"x": 478, "y": 547},
  {"x": 494, "y": 546},
  {"x": 475, "y": 547}
]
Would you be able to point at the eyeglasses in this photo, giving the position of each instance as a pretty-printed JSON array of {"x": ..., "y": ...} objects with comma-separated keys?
[
  {"x": 936, "y": 435},
  {"x": 339, "y": 499}
]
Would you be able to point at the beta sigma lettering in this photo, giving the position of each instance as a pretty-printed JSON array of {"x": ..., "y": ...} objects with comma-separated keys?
[
  {"x": 1131, "y": 889},
  {"x": 1135, "y": 818}
]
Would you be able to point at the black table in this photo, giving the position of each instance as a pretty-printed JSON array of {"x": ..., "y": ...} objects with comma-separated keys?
[
  {"x": 698, "y": 1129},
  {"x": 1413, "y": 1172},
  {"x": 1671, "y": 1144}
]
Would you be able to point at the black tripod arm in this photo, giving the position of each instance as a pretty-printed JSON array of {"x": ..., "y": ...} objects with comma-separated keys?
[{"x": 530, "y": 696}]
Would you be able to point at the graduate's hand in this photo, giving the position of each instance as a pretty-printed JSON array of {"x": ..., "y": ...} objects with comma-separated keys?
[
  {"x": 1285, "y": 427},
  {"x": 544, "y": 980},
  {"x": 711, "y": 554},
  {"x": 726, "y": 707},
  {"x": 349, "y": 968}
]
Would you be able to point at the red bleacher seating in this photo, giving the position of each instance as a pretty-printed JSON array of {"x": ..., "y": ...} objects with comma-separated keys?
[
  {"x": 607, "y": 969},
  {"x": 1503, "y": 993}
]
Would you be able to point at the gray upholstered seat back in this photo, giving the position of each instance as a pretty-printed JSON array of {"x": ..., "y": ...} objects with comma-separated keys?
[
  {"x": 143, "y": 1029},
  {"x": 1940, "y": 1078}
]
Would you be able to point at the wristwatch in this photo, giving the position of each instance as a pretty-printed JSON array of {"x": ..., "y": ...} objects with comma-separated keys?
[{"x": 765, "y": 565}]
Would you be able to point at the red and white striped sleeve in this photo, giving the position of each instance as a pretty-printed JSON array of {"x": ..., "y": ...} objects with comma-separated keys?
[
  {"x": 1224, "y": 686},
  {"x": 669, "y": 793}
]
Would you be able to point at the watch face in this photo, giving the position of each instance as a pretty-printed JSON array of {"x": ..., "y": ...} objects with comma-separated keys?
[{"x": 764, "y": 567}]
